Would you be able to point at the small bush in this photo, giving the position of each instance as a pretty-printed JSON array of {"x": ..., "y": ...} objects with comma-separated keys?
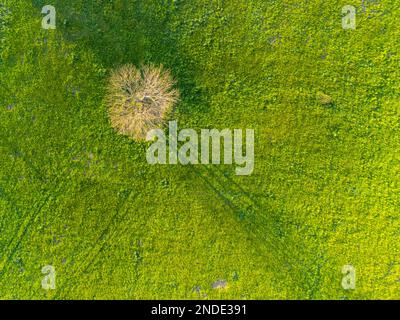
[
  {"x": 324, "y": 98},
  {"x": 139, "y": 99}
]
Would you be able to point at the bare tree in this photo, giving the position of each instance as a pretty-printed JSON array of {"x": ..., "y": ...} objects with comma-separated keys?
[{"x": 139, "y": 99}]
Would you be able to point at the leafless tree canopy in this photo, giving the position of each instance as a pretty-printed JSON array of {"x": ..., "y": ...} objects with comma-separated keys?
[{"x": 139, "y": 99}]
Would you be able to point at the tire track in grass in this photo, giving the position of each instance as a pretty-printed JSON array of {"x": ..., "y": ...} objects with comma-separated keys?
[
  {"x": 279, "y": 242},
  {"x": 288, "y": 261},
  {"x": 23, "y": 227},
  {"x": 106, "y": 234},
  {"x": 237, "y": 208},
  {"x": 36, "y": 174},
  {"x": 18, "y": 237}
]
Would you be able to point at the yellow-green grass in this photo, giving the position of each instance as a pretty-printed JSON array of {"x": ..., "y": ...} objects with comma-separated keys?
[{"x": 324, "y": 192}]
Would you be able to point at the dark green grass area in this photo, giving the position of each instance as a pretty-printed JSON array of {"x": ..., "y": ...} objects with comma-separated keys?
[{"x": 324, "y": 192}]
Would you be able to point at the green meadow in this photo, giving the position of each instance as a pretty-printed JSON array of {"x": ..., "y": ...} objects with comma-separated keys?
[{"x": 324, "y": 193}]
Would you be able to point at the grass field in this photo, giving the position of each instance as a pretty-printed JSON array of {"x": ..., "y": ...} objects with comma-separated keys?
[{"x": 325, "y": 188}]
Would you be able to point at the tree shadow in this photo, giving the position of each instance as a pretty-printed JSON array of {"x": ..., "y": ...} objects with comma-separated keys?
[{"x": 138, "y": 32}]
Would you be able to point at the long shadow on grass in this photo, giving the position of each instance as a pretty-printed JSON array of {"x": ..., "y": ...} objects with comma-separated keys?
[{"x": 138, "y": 31}]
